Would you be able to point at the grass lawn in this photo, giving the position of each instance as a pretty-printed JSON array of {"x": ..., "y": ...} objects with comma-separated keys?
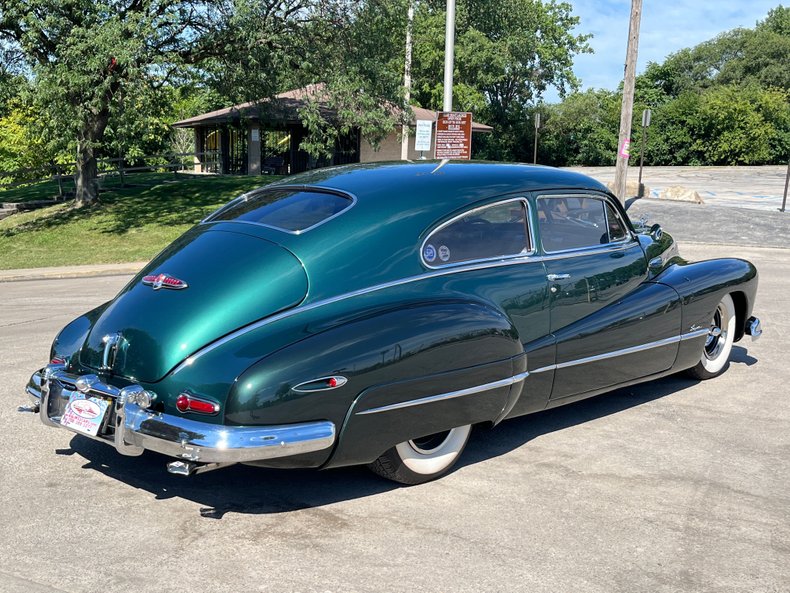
[{"x": 130, "y": 224}]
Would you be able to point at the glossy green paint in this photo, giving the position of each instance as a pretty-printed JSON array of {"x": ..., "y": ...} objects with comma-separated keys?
[
  {"x": 266, "y": 310},
  {"x": 234, "y": 279}
]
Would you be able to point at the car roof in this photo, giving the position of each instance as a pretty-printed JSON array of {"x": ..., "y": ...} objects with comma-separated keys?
[{"x": 446, "y": 185}]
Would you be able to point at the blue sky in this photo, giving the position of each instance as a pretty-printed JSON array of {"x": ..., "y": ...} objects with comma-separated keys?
[{"x": 667, "y": 26}]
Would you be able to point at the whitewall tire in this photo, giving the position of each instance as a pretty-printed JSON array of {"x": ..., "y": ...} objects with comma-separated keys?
[
  {"x": 424, "y": 459},
  {"x": 718, "y": 343}
]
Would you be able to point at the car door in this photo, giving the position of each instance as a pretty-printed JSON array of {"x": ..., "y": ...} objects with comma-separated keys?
[
  {"x": 610, "y": 325},
  {"x": 496, "y": 243}
]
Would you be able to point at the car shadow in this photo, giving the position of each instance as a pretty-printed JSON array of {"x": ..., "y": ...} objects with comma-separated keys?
[
  {"x": 252, "y": 490},
  {"x": 740, "y": 355}
]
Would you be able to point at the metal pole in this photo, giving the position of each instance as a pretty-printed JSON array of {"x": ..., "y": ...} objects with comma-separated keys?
[
  {"x": 535, "y": 149},
  {"x": 621, "y": 169},
  {"x": 449, "y": 55},
  {"x": 404, "y": 146},
  {"x": 787, "y": 182},
  {"x": 642, "y": 157}
]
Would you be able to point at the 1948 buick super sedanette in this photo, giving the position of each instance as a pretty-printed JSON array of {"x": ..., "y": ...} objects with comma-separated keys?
[{"x": 373, "y": 314}]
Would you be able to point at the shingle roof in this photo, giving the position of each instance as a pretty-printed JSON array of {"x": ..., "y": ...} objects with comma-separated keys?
[{"x": 284, "y": 108}]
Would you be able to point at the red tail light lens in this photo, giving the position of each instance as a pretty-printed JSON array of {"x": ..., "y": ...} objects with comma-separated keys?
[{"x": 189, "y": 403}]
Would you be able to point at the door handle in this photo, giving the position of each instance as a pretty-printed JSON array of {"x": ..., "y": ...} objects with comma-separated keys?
[{"x": 553, "y": 277}]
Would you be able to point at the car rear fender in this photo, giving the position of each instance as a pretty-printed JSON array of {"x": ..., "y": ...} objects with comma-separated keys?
[{"x": 386, "y": 357}]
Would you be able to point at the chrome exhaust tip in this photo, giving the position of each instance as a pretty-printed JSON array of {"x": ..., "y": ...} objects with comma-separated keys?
[{"x": 191, "y": 468}]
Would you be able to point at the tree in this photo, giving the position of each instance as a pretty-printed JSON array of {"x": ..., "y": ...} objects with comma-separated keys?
[
  {"x": 87, "y": 56},
  {"x": 507, "y": 54}
]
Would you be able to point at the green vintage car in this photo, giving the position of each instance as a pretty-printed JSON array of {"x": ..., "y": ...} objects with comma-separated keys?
[{"x": 373, "y": 314}]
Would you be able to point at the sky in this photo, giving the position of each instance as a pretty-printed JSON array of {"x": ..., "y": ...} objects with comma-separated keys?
[{"x": 667, "y": 26}]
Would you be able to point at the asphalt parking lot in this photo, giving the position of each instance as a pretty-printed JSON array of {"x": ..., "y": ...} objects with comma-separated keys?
[{"x": 669, "y": 486}]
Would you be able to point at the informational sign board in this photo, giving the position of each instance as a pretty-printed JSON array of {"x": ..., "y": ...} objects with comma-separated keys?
[
  {"x": 422, "y": 136},
  {"x": 453, "y": 135}
]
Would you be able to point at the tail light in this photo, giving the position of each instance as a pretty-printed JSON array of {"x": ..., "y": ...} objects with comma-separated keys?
[{"x": 186, "y": 402}]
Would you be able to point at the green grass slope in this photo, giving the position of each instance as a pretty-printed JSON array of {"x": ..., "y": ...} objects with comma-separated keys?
[{"x": 130, "y": 224}]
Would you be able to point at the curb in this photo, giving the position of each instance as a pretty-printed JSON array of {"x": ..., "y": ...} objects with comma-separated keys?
[{"x": 61, "y": 272}]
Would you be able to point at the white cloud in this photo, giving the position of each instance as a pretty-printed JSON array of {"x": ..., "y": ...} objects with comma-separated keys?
[{"x": 666, "y": 27}]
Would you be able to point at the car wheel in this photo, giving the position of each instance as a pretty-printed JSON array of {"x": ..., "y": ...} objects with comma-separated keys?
[
  {"x": 718, "y": 343},
  {"x": 424, "y": 459}
]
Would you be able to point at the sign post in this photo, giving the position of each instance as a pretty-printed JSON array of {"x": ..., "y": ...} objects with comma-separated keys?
[
  {"x": 422, "y": 136},
  {"x": 645, "y": 125},
  {"x": 453, "y": 135},
  {"x": 787, "y": 182},
  {"x": 537, "y": 127}
]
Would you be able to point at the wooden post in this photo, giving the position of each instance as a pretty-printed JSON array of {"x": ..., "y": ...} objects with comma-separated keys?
[
  {"x": 626, "y": 112},
  {"x": 120, "y": 166},
  {"x": 60, "y": 181},
  {"x": 404, "y": 147}
]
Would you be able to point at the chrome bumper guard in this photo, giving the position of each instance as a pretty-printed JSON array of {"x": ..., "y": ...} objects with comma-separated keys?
[
  {"x": 753, "y": 328},
  {"x": 132, "y": 429}
]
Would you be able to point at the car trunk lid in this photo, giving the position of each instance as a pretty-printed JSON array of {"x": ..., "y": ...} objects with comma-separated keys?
[{"x": 205, "y": 285}]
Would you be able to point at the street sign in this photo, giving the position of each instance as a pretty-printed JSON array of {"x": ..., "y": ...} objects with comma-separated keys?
[
  {"x": 422, "y": 137},
  {"x": 646, "y": 118},
  {"x": 537, "y": 120},
  {"x": 453, "y": 135}
]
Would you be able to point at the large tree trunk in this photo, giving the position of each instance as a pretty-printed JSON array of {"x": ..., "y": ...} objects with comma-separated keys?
[
  {"x": 87, "y": 181},
  {"x": 87, "y": 175}
]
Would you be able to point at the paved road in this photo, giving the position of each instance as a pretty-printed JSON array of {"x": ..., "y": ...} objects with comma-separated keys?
[
  {"x": 741, "y": 187},
  {"x": 670, "y": 486}
]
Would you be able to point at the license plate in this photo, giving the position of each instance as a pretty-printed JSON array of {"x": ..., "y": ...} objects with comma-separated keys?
[{"x": 84, "y": 414}]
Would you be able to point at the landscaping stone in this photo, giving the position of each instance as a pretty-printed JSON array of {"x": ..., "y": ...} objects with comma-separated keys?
[{"x": 680, "y": 194}]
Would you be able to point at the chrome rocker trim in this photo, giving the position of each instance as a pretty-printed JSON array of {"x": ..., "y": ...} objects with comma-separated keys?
[{"x": 138, "y": 429}]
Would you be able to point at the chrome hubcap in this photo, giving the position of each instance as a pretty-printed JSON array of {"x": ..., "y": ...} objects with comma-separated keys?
[{"x": 717, "y": 335}]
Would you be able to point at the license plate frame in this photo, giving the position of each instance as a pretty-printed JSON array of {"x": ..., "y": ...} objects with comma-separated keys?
[{"x": 85, "y": 413}]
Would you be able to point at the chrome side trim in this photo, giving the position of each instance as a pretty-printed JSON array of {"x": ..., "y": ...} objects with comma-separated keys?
[
  {"x": 624, "y": 351},
  {"x": 449, "y": 395},
  {"x": 341, "y": 297},
  {"x": 513, "y": 261},
  {"x": 694, "y": 334}
]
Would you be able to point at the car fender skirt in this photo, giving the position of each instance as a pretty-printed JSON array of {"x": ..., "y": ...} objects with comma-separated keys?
[{"x": 386, "y": 415}]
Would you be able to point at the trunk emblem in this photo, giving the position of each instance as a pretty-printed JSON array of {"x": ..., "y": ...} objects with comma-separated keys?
[{"x": 158, "y": 281}]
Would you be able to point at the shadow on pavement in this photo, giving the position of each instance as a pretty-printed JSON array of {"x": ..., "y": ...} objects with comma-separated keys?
[{"x": 252, "y": 490}]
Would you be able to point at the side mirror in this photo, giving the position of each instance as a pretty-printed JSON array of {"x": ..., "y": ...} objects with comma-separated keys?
[{"x": 656, "y": 232}]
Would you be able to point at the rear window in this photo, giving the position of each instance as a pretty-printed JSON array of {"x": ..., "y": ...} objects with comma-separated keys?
[{"x": 289, "y": 210}]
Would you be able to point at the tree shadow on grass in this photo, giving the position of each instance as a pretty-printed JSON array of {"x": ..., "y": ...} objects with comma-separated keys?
[{"x": 243, "y": 489}]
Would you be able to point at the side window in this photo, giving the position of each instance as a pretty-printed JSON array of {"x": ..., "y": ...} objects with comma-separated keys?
[
  {"x": 617, "y": 228},
  {"x": 484, "y": 233},
  {"x": 571, "y": 222}
]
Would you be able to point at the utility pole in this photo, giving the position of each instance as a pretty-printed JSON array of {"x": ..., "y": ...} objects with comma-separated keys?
[
  {"x": 624, "y": 139},
  {"x": 449, "y": 55},
  {"x": 404, "y": 147}
]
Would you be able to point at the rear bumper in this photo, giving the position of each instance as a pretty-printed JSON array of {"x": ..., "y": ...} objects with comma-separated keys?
[{"x": 132, "y": 429}]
